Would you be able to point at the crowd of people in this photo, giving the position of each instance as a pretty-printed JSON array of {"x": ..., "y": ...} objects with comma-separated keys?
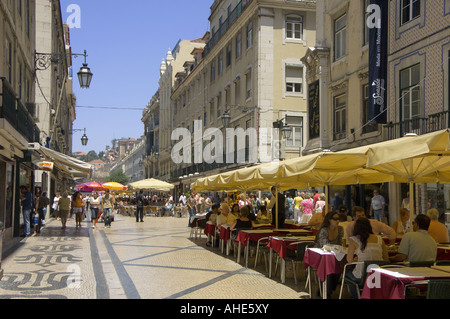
[{"x": 332, "y": 224}]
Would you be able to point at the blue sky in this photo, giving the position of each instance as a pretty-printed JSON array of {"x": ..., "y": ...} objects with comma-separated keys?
[{"x": 125, "y": 42}]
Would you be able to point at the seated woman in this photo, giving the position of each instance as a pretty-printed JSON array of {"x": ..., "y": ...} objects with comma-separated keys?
[
  {"x": 366, "y": 246},
  {"x": 243, "y": 221},
  {"x": 330, "y": 233},
  {"x": 264, "y": 217},
  {"x": 402, "y": 225}
]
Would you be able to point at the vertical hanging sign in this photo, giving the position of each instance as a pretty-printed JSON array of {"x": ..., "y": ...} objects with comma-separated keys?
[
  {"x": 314, "y": 110},
  {"x": 377, "y": 22}
]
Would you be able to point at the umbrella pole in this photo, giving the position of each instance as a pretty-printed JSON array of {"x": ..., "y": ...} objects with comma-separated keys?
[
  {"x": 326, "y": 199},
  {"x": 276, "y": 208},
  {"x": 411, "y": 202}
]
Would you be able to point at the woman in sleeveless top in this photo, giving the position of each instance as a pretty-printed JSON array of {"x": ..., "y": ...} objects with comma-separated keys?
[
  {"x": 95, "y": 202},
  {"x": 78, "y": 208},
  {"x": 366, "y": 246}
]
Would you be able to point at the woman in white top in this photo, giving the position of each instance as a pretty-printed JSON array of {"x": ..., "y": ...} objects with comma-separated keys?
[
  {"x": 366, "y": 246},
  {"x": 95, "y": 203}
]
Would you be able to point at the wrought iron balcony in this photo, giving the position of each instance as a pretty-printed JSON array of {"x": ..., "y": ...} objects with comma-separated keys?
[
  {"x": 434, "y": 122},
  {"x": 18, "y": 115}
]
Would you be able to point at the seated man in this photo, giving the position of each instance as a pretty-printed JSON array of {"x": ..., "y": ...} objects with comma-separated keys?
[
  {"x": 437, "y": 230},
  {"x": 377, "y": 226},
  {"x": 417, "y": 245}
]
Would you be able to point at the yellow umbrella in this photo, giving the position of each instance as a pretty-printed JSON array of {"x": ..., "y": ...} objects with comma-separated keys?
[
  {"x": 151, "y": 185},
  {"x": 414, "y": 159},
  {"x": 114, "y": 186}
]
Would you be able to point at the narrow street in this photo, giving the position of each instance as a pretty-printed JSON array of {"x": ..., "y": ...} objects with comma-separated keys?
[{"x": 155, "y": 259}]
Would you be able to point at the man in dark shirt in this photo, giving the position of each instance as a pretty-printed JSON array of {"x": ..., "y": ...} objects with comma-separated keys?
[
  {"x": 26, "y": 199},
  {"x": 273, "y": 205},
  {"x": 140, "y": 206}
]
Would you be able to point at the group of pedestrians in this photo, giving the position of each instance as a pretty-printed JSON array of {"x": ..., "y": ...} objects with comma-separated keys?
[
  {"x": 36, "y": 205},
  {"x": 63, "y": 207}
]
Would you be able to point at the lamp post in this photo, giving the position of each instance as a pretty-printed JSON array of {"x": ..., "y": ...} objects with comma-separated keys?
[
  {"x": 44, "y": 60},
  {"x": 286, "y": 131},
  {"x": 84, "y": 138}
]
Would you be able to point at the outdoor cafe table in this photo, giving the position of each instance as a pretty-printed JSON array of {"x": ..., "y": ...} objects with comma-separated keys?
[
  {"x": 325, "y": 263},
  {"x": 280, "y": 246},
  {"x": 224, "y": 237},
  {"x": 210, "y": 231},
  {"x": 254, "y": 235},
  {"x": 443, "y": 252},
  {"x": 389, "y": 283}
]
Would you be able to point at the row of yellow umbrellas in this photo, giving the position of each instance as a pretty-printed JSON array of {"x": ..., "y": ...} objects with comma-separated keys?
[{"x": 411, "y": 159}]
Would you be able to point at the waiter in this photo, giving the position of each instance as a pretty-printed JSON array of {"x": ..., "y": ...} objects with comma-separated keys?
[{"x": 273, "y": 206}]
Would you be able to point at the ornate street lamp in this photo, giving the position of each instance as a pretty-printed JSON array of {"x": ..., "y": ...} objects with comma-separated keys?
[
  {"x": 85, "y": 74},
  {"x": 84, "y": 139},
  {"x": 44, "y": 60},
  {"x": 226, "y": 119}
]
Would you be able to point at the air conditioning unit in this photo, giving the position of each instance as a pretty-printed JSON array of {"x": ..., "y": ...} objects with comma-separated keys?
[{"x": 34, "y": 146}]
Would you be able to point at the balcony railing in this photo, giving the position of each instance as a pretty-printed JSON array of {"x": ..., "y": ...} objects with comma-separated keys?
[
  {"x": 419, "y": 126},
  {"x": 8, "y": 105},
  {"x": 234, "y": 15},
  {"x": 12, "y": 110}
]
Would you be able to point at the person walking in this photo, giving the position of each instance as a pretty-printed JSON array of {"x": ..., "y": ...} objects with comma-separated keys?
[
  {"x": 192, "y": 207},
  {"x": 55, "y": 207},
  {"x": 42, "y": 202},
  {"x": 78, "y": 208},
  {"x": 95, "y": 203},
  {"x": 107, "y": 206},
  {"x": 377, "y": 206},
  {"x": 64, "y": 209},
  {"x": 140, "y": 206},
  {"x": 26, "y": 199}
]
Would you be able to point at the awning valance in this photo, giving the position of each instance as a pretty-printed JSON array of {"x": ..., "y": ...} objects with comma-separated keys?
[{"x": 72, "y": 165}]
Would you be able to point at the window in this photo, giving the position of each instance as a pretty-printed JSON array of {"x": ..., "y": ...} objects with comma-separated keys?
[
  {"x": 249, "y": 35},
  {"x": 368, "y": 126},
  {"x": 340, "y": 117},
  {"x": 296, "y": 124},
  {"x": 410, "y": 10},
  {"x": 340, "y": 37},
  {"x": 248, "y": 85},
  {"x": 410, "y": 94},
  {"x": 294, "y": 28},
  {"x": 237, "y": 92},
  {"x": 238, "y": 44},
  {"x": 228, "y": 57},
  {"x": 9, "y": 61},
  {"x": 294, "y": 79},
  {"x": 211, "y": 111},
  {"x": 213, "y": 71},
  {"x": 220, "y": 63},
  {"x": 219, "y": 104}
]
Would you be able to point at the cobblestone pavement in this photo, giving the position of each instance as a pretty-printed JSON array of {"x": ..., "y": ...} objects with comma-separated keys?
[{"x": 155, "y": 259}]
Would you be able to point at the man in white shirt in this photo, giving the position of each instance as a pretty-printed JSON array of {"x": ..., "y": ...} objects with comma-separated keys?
[{"x": 417, "y": 245}]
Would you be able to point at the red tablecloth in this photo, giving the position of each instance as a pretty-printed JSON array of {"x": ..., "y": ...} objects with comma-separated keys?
[
  {"x": 325, "y": 263},
  {"x": 244, "y": 236},
  {"x": 389, "y": 283},
  {"x": 281, "y": 244},
  {"x": 224, "y": 233},
  {"x": 210, "y": 229},
  {"x": 443, "y": 254}
]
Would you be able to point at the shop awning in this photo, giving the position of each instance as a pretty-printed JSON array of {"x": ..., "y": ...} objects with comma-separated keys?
[{"x": 70, "y": 165}]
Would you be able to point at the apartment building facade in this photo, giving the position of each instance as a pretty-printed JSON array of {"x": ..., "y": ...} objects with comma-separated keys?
[
  {"x": 416, "y": 85},
  {"x": 249, "y": 71},
  {"x": 17, "y": 127},
  {"x": 55, "y": 101}
]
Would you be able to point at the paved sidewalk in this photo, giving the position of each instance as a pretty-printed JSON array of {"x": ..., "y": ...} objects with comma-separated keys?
[{"x": 155, "y": 259}]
